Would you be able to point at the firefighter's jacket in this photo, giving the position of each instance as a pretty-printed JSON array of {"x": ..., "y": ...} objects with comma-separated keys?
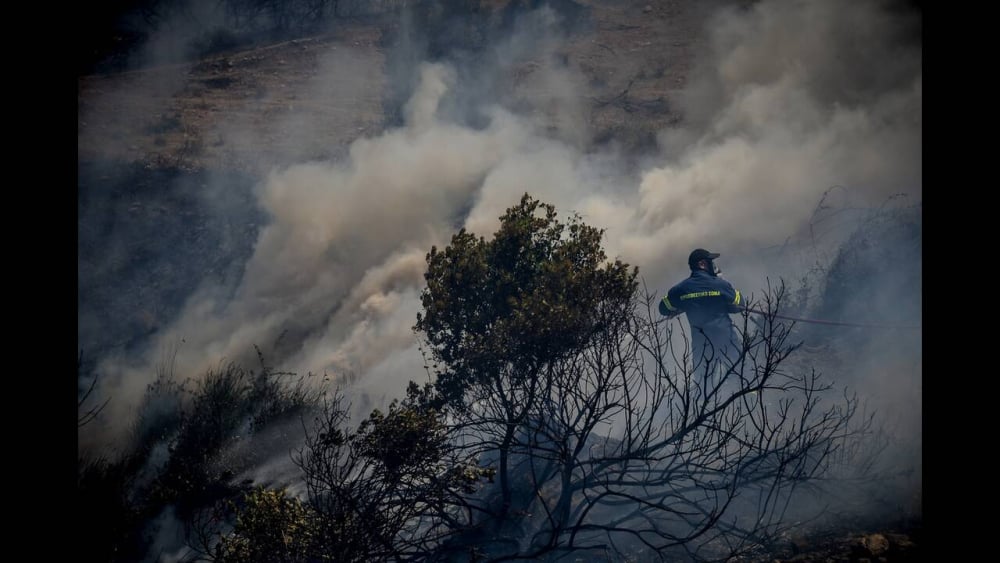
[{"x": 708, "y": 301}]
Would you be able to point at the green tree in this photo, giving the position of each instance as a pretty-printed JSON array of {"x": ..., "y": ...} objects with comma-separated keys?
[
  {"x": 606, "y": 440},
  {"x": 180, "y": 457},
  {"x": 391, "y": 488},
  {"x": 498, "y": 313},
  {"x": 270, "y": 526},
  {"x": 520, "y": 301}
]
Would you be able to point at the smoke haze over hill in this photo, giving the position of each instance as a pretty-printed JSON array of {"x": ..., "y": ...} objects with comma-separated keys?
[{"x": 787, "y": 105}]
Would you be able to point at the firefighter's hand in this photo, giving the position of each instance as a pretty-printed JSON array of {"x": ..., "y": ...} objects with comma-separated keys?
[{"x": 667, "y": 312}]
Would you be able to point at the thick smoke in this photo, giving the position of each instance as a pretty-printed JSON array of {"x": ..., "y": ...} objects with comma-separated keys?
[{"x": 786, "y": 101}]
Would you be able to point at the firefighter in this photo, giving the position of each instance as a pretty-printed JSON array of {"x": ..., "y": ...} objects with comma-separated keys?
[{"x": 708, "y": 300}]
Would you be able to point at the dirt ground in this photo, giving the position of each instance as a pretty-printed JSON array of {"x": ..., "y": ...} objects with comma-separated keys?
[{"x": 221, "y": 111}]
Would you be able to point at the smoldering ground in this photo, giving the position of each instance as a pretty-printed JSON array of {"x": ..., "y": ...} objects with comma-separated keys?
[{"x": 785, "y": 101}]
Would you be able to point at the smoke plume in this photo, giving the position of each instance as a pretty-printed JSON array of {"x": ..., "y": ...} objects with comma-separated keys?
[{"x": 785, "y": 101}]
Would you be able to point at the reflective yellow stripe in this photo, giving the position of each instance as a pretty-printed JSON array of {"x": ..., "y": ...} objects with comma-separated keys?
[
  {"x": 701, "y": 294},
  {"x": 737, "y": 300},
  {"x": 667, "y": 303}
]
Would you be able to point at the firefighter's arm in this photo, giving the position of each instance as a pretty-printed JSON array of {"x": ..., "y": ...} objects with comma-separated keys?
[
  {"x": 735, "y": 301},
  {"x": 667, "y": 308}
]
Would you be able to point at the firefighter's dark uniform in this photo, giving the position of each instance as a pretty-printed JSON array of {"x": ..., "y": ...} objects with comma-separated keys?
[{"x": 708, "y": 301}]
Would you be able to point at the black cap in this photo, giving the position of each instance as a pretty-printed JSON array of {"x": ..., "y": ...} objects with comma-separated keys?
[{"x": 699, "y": 254}]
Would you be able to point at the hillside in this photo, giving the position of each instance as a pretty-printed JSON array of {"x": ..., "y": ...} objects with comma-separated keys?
[
  {"x": 226, "y": 109},
  {"x": 151, "y": 138},
  {"x": 205, "y": 218}
]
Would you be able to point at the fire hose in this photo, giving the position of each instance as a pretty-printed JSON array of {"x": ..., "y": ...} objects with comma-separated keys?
[{"x": 834, "y": 323}]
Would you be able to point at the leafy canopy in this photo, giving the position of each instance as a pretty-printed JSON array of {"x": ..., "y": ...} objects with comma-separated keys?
[{"x": 527, "y": 298}]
